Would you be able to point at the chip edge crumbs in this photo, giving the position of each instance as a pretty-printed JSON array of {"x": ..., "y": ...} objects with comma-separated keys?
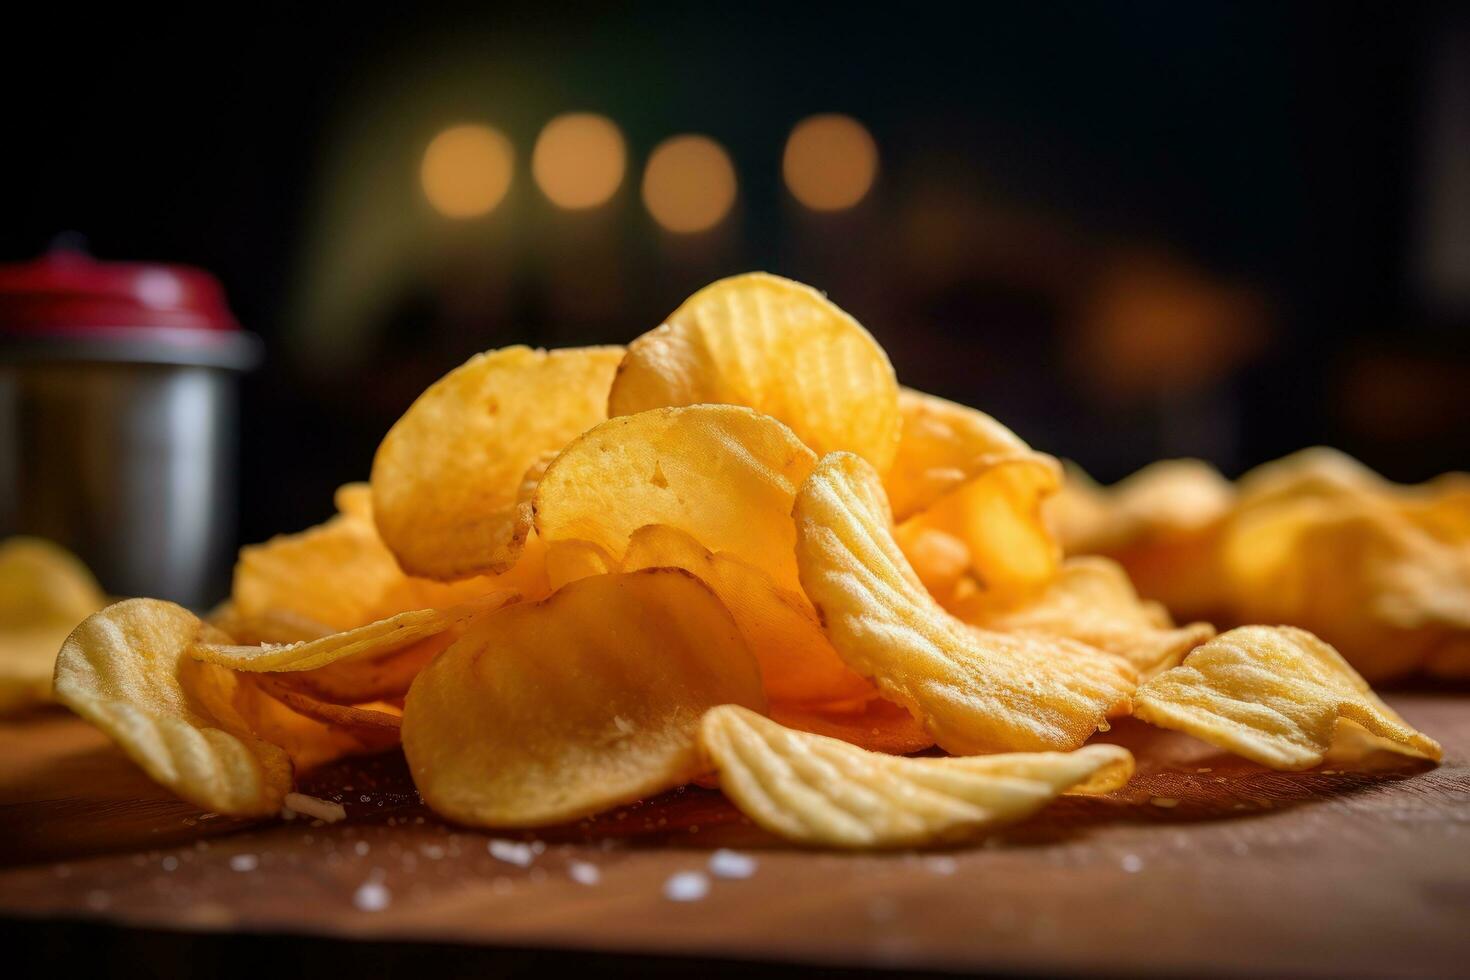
[
  {"x": 315, "y": 807},
  {"x": 958, "y": 803},
  {"x": 1330, "y": 691}
]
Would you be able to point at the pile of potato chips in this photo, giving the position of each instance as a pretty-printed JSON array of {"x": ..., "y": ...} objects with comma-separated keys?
[{"x": 735, "y": 549}]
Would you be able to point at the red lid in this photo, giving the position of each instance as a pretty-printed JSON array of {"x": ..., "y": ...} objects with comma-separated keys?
[{"x": 68, "y": 293}]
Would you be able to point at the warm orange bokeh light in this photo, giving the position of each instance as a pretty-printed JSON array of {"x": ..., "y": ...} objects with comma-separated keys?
[
  {"x": 689, "y": 183},
  {"x": 467, "y": 170},
  {"x": 579, "y": 160},
  {"x": 830, "y": 162}
]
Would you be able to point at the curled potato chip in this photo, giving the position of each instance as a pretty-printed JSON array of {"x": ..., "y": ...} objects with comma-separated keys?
[
  {"x": 370, "y": 678},
  {"x": 797, "y": 663},
  {"x": 387, "y": 636},
  {"x": 446, "y": 478},
  {"x": 776, "y": 346},
  {"x": 375, "y": 726},
  {"x": 722, "y": 473},
  {"x": 120, "y": 671},
  {"x": 974, "y": 690},
  {"x": 45, "y": 591},
  {"x": 817, "y": 790},
  {"x": 545, "y": 712},
  {"x": 941, "y": 560},
  {"x": 876, "y": 724},
  {"x": 1091, "y": 600},
  {"x": 1274, "y": 695},
  {"x": 961, "y": 472}
]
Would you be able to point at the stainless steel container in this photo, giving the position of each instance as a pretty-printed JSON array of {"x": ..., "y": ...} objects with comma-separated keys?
[{"x": 118, "y": 420}]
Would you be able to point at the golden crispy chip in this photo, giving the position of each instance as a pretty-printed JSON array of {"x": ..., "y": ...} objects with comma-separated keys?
[
  {"x": 120, "y": 671},
  {"x": 569, "y": 560},
  {"x": 961, "y": 472},
  {"x": 778, "y": 347},
  {"x": 780, "y": 627},
  {"x": 545, "y": 712},
  {"x": 722, "y": 473},
  {"x": 446, "y": 477},
  {"x": 375, "y": 640},
  {"x": 1162, "y": 524},
  {"x": 877, "y": 725},
  {"x": 1315, "y": 472},
  {"x": 1354, "y": 570},
  {"x": 973, "y": 690},
  {"x": 45, "y": 591},
  {"x": 1091, "y": 600},
  {"x": 1274, "y": 695},
  {"x": 339, "y": 575},
  {"x": 354, "y": 500},
  {"x": 375, "y": 725},
  {"x": 373, "y": 678},
  {"x": 941, "y": 560},
  {"x": 817, "y": 790}
]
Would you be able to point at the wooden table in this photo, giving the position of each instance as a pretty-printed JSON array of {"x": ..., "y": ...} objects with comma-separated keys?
[{"x": 1204, "y": 864}]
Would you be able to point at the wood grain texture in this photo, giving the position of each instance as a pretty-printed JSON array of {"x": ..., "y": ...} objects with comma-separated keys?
[{"x": 1204, "y": 864}]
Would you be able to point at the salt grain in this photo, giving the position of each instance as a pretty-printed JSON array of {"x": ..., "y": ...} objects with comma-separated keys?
[
  {"x": 725, "y": 863},
  {"x": 584, "y": 873},
  {"x": 686, "y": 886},
  {"x": 1132, "y": 863},
  {"x": 244, "y": 862},
  {"x": 170, "y": 863},
  {"x": 942, "y": 865},
  {"x": 361, "y": 848},
  {"x": 513, "y": 852},
  {"x": 372, "y": 896}
]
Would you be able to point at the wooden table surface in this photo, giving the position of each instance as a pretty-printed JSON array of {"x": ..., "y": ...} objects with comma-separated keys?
[{"x": 1204, "y": 864}]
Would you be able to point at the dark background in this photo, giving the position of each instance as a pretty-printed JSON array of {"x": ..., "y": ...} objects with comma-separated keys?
[{"x": 1128, "y": 230}]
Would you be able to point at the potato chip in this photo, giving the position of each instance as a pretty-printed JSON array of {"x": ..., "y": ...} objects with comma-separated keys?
[
  {"x": 269, "y": 626},
  {"x": 445, "y": 479},
  {"x": 374, "y": 640},
  {"x": 941, "y": 560},
  {"x": 1091, "y": 600},
  {"x": 370, "y": 678},
  {"x": 817, "y": 790},
  {"x": 974, "y": 690},
  {"x": 376, "y": 726},
  {"x": 780, "y": 627},
  {"x": 961, "y": 472},
  {"x": 778, "y": 347},
  {"x": 546, "y": 712},
  {"x": 724, "y": 474},
  {"x": 45, "y": 591},
  {"x": 876, "y": 724},
  {"x": 120, "y": 670},
  {"x": 1274, "y": 695}
]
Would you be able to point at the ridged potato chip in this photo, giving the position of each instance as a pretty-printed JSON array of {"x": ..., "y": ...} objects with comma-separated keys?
[
  {"x": 546, "y": 712},
  {"x": 447, "y": 476},
  {"x": 378, "y": 639},
  {"x": 120, "y": 670},
  {"x": 722, "y": 473},
  {"x": 974, "y": 690},
  {"x": 875, "y": 724},
  {"x": 45, "y": 591},
  {"x": 1091, "y": 600},
  {"x": 1162, "y": 524},
  {"x": 1274, "y": 695},
  {"x": 780, "y": 627},
  {"x": 961, "y": 472},
  {"x": 776, "y": 346},
  {"x": 817, "y": 790}
]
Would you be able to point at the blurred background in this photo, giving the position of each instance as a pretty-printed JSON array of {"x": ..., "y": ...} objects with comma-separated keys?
[{"x": 1128, "y": 230}]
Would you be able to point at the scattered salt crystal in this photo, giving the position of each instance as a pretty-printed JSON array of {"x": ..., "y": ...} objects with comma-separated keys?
[
  {"x": 170, "y": 863},
  {"x": 372, "y": 896},
  {"x": 1132, "y": 863},
  {"x": 623, "y": 725},
  {"x": 433, "y": 852},
  {"x": 726, "y": 863},
  {"x": 538, "y": 847},
  {"x": 584, "y": 873},
  {"x": 244, "y": 862},
  {"x": 942, "y": 865},
  {"x": 1167, "y": 802},
  {"x": 512, "y": 852},
  {"x": 361, "y": 848},
  {"x": 211, "y": 816},
  {"x": 686, "y": 886}
]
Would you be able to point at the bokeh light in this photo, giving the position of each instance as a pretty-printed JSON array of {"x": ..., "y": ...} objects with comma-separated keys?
[
  {"x": 579, "y": 160},
  {"x": 830, "y": 162},
  {"x": 689, "y": 183},
  {"x": 467, "y": 170}
]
